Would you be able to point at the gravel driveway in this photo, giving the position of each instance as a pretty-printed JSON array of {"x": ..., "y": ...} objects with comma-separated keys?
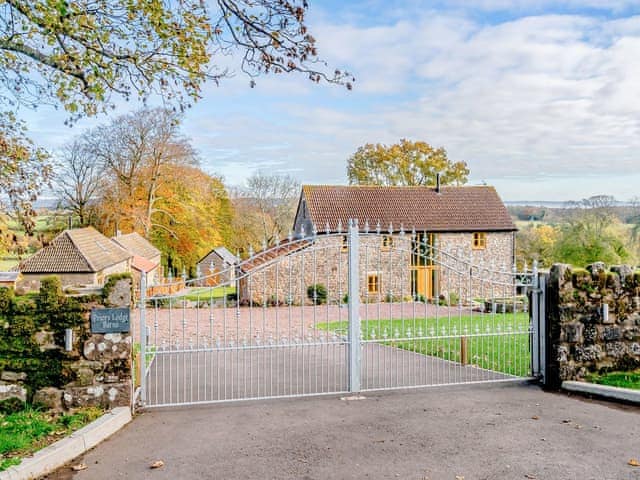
[{"x": 193, "y": 325}]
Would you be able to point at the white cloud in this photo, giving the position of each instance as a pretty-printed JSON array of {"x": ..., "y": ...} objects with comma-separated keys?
[
  {"x": 523, "y": 97},
  {"x": 546, "y": 98}
]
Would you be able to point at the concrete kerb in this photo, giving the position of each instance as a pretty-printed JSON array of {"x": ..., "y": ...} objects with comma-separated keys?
[
  {"x": 613, "y": 393},
  {"x": 56, "y": 455}
]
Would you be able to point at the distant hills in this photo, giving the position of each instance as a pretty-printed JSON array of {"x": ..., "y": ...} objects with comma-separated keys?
[{"x": 553, "y": 204}]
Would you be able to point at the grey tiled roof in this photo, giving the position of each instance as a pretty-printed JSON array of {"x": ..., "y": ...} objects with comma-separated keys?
[
  {"x": 221, "y": 252},
  {"x": 81, "y": 250},
  {"x": 226, "y": 255},
  {"x": 137, "y": 245}
]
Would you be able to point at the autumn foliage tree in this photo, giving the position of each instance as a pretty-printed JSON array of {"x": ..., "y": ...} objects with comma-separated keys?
[
  {"x": 145, "y": 177},
  {"x": 404, "y": 163},
  {"x": 200, "y": 217}
]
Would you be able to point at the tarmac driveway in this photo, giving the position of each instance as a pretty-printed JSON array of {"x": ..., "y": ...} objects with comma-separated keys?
[{"x": 496, "y": 431}]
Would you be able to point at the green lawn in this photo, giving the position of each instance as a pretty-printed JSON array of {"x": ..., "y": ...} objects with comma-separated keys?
[
  {"x": 495, "y": 342},
  {"x": 618, "y": 379},
  {"x": 44, "y": 223},
  {"x": 27, "y": 431},
  {"x": 202, "y": 294}
]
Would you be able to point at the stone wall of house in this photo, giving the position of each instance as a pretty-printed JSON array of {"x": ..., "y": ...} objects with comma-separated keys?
[
  {"x": 35, "y": 366},
  {"x": 582, "y": 338},
  {"x": 30, "y": 282},
  {"x": 122, "y": 267},
  {"x": 287, "y": 278},
  {"x": 222, "y": 273},
  {"x": 488, "y": 278}
]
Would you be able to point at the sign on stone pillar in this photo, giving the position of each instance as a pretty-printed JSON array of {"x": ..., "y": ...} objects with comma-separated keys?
[{"x": 110, "y": 320}]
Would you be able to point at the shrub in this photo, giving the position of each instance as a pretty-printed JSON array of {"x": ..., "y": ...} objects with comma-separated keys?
[
  {"x": 453, "y": 298},
  {"x": 11, "y": 405},
  {"x": 317, "y": 293},
  {"x": 389, "y": 298},
  {"x": 50, "y": 295},
  {"x": 6, "y": 298}
]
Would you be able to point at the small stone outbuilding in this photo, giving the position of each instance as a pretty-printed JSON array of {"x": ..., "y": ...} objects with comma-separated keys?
[{"x": 217, "y": 266}]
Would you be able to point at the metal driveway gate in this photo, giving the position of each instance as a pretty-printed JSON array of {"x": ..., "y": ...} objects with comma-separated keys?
[{"x": 333, "y": 313}]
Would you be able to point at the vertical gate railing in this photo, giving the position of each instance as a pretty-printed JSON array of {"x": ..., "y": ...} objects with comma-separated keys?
[
  {"x": 415, "y": 314},
  {"x": 355, "y": 347}
]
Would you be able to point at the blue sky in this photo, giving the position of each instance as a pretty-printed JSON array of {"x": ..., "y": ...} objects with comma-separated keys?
[{"x": 540, "y": 98}]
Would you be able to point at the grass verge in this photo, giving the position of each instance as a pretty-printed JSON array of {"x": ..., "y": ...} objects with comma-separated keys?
[
  {"x": 618, "y": 379},
  {"x": 203, "y": 294},
  {"x": 499, "y": 342},
  {"x": 23, "y": 433}
]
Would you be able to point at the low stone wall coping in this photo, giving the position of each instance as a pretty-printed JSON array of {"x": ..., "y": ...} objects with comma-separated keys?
[{"x": 605, "y": 391}]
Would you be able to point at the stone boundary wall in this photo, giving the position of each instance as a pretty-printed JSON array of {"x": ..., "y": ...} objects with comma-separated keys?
[
  {"x": 584, "y": 335},
  {"x": 97, "y": 371}
]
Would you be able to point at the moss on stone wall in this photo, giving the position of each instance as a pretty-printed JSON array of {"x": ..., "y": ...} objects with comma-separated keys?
[
  {"x": 32, "y": 333},
  {"x": 583, "y": 339}
]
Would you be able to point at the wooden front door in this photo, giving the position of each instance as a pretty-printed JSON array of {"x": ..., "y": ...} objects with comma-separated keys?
[{"x": 423, "y": 280}]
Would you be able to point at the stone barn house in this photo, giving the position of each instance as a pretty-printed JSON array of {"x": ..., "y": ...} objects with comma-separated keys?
[
  {"x": 80, "y": 257},
  {"x": 213, "y": 263},
  {"x": 415, "y": 243}
]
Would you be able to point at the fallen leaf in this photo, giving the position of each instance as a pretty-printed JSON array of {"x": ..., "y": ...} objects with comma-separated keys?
[
  {"x": 157, "y": 464},
  {"x": 535, "y": 417},
  {"x": 459, "y": 477},
  {"x": 634, "y": 463},
  {"x": 79, "y": 467}
]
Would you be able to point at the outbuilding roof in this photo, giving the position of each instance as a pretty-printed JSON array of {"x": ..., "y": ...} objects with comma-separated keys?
[
  {"x": 142, "y": 264},
  {"x": 80, "y": 250},
  {"x": 222, "y": 253},
  {"x": 449, "y": 209},
  {"x": 137, "y": 245}
]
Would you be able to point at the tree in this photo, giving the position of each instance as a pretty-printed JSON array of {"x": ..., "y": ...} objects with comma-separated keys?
[
  {"x": 404, "y": 163},
  {"x": 199, "y": 217},
  {"x": 24, "y": 171},
  {"x": 150, "y": 183},
  {"x": 137, "y": 152},
  {"x": 84, "y": 54},
  {"x": 79, "y": 177},
  {"x": 265, "y": 209},
  {"x": 537, "y": 242},
  {"x": 592, "y": 234}
]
